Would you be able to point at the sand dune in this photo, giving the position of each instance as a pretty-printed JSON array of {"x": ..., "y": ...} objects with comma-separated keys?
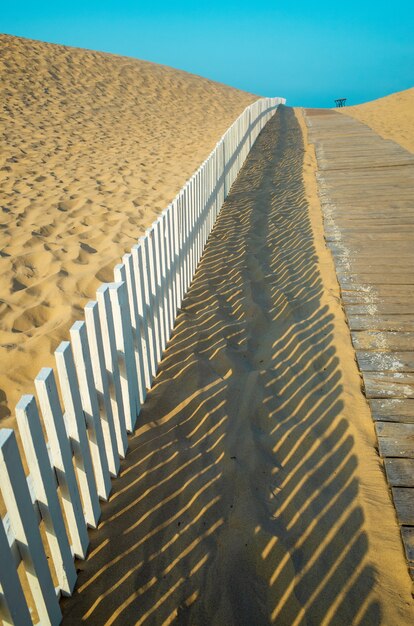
[
  {"x": 93, "y": 147},
  {"x": 391, "y": 117}
]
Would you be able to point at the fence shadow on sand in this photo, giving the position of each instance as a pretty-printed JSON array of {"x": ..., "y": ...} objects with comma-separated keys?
[{"x": 238, "y": 501}]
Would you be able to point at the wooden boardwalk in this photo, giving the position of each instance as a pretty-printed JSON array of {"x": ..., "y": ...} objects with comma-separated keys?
[{"x": 366, "y": 186}]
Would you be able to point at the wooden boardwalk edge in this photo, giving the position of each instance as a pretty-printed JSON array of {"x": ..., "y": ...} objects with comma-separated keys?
[{"x": 368, "y": 228}]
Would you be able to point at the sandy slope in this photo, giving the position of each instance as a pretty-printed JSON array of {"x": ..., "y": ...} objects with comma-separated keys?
[
  {"x": 252, "y": 492},
  {"x": 391, "y": 117},
  {"x": 93, "y": 147}
]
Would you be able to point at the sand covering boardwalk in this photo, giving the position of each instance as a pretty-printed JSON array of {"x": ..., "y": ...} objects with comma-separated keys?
[
  {"x": 251, "y": 495},
  {"x": 367, "y": 190}
]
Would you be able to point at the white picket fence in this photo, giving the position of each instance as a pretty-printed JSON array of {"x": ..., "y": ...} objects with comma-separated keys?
[{"x": 104, "y": 372}]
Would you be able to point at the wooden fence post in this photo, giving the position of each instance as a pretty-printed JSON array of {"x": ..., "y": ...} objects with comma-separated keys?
[
  {"x": 90, "y": 406},
  {"x": 45, "y": 490},
  {"x": 25, "y": 528},
  {"x": 112, "y": 366},
  {"x": 127, "y": 275},
  {"x": 177, "y": 251},
  {"x": 139, "y": 289},
  {"x": 62, "y": 459},
  {"x": 164, "y": 273},
  {"x": 156, "y": 252},
  {"x": 103, "y": 389},
  {"x": 13, "y": 605},
  {"x": 126, "y": 358},
  {"x": 169, "y": 269},
  {"x": 76, "y": 425},
  {"x": 152, "y": 310}
]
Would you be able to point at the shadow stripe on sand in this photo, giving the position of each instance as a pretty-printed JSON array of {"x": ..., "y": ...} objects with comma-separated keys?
[{"x": 238, "y": 503}]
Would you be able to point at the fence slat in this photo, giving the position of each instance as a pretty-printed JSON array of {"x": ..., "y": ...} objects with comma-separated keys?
[
  {"x": 62, "y": 459},
  {"x": 127, "y": 275},
  {"x": 164, "y": 277},
  {"x": 169, "y": 271},
  {"x": 191, "y": 229},
  {"x": 181, "y": 244},
  {"x": 153, "y": 313},
  {"x": 142, "y": 312},
  {"x": 176, "y": 252},
  {"x": 126, "y": 358},
  {"x": 89, "y": 399},
  {"x": 102, "y": 387},
  {"x": 45, "y": 490},
  {"x": 133, "y": 292},
  {"x": 13, "y": 605},
  {"x": 112, "y": 367},
  {"x": 186, "y": 209},
  {"x": 145, "y": 279},
  {"x": 76, "y": 426},
  {"x": 155, "y": 241},
  {"x": 24, "y": 524},
  {"x": 154, "y": 247}
]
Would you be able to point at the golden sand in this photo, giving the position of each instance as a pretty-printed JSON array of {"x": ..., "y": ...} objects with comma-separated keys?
[
  {"x": 252, "y": 492},
  {"x": 94, "y": 146},
  {"x": 391, "y": 117}
]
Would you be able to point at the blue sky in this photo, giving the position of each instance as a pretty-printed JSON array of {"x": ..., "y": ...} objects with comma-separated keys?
[{"x": 309, "y": 52}]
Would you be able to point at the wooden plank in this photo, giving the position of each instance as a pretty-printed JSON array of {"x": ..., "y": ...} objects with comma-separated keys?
[
  {"x": 350, "y": 231},
  {"x": 396, "y": 410},
  {"x": 404, "y": 504},
  {"x": 407, "y": 533},
  {"x": 354, "y": 218},
  {"x": 383, "y": 340},
  {"x": 380, "y": 237},
  {"x": 376, "y": 361},
  {"x": 388, "y": 384},
  {"x": 381, "y": 291},
  {"x": 357, "y": 160},
  {"x": 355, "y": 297},
  {"x": 400, "y": 472},
  {"x": 382, "y": 322},
  {"x": 379, "y": 308},
  {"x": 395, "y": 440},
  {"x": 401, "y": 278}
]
